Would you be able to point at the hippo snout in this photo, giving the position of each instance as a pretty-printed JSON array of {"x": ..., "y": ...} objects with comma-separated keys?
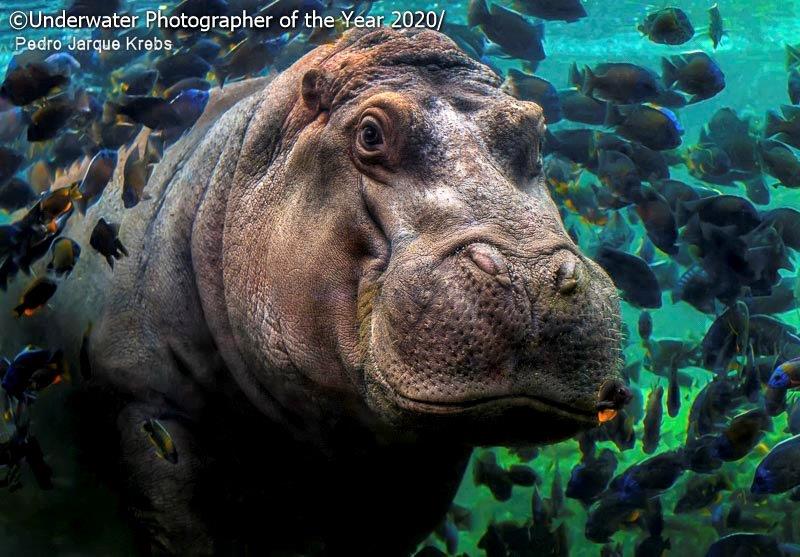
[{"x": 497, "y": 325}]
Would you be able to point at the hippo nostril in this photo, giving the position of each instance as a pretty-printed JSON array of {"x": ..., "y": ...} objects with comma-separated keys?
[
  {"x": 613, "y": 395},
  {"x": 489, "y": 260},
  {"x": 567, "y": 277}
]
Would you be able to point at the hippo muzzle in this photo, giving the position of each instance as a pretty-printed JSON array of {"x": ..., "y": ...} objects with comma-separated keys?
[{"x": 520, "y": 340}]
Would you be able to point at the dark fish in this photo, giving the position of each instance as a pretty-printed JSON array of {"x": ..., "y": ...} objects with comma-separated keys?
[
  {"x": 701, "y": 492},
  {"x": 650, "y": 477},
  {"x": 510, "y": 30},
  {"x": 519, "y": 474},
  {"x": 673, "y": 393},
  {"x": 740, "y": 544},
  {"x": 135, "y": 176},
  {"x": 715, "y": 28},
  {"x": 654, "y": 544},
  {"x": 553, "y": 10},
  {"x": 621, "y": 83},
  {"x": 577, "y": 107},
  {"x": 248, "y": 58},
  {"x": 786, "y": 375},
  {"x": 48, "y": 120},
  {"x": 529, "y": 87},
  {"x": 652, "y": 126},
  {"x": 727, "y": 337},
  {"x": 31, "y": 82},
  {"x": 98, "y": 175},
  {"x": 645, "y": 325},
  {"x": 620, "y": 175},
  {"x": 785, "y": 126},
  {"x": 709, "y": 407},
  {"x": 781, "y": 162},
  {"x": 65, "y": 255},
  {"x": 10, "y": 162},
  {"x": 12, "y": 123},
  {"x": 701, "y": 454},
  {"x": 695, "y": 73},
  {"x": 590, "y": 477},
  {"x": 137, "y": 81},
  {"x": 486, "y": 471},
  {"x": 161, "y": 439},
  {"x": 105, "y": 239},
  {"x": 36, "y": 295},
  {"x": 206, "y": 48},
  {"x": 609, "y": 514},
  {"x": 175, "y": 67},
  {"x": 16, "y": 194},
  {"x": 667, "y": 26},
  {"x": 742, "y": 435},
  {"x": 786, "y": 221},
  {"x": 186, "y": 84},
  {"x": 652, "y": 420},
  {"x": 19, "y": 372},
  {"x": 154, "y": 112},
  {"x": 793, "y": 85},
  {"x": 556, "y": 492},
  {"x": 93, "y": 7},
  {"x": 658, "y": 219},
  {"x": 189, "y": 106},
  {"x": 632, "y": 276}
]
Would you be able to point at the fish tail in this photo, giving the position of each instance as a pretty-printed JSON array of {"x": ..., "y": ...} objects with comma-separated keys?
[
  {"x": 669, "y": 73},
  {"x": 773, "y": 125},
  {"x": 613, "y": 116},
  {"x": 587, "y": 87},
  {"x": 575, "y": 77},
  {"x": 477, "y": 12},
  {"x": 792, "y": 56}
]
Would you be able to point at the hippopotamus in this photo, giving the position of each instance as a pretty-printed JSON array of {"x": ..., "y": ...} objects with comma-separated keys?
[{"x": 340, "y": 281}]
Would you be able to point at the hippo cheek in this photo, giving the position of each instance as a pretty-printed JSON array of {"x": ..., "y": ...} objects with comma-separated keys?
[{"x": 494, "y": 344}]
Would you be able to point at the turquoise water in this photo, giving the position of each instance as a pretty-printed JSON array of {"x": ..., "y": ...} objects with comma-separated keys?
[{"x": 752, "y": 57}]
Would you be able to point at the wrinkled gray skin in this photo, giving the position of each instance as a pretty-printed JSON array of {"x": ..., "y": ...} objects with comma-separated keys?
[{"x": 326, "y": 329}]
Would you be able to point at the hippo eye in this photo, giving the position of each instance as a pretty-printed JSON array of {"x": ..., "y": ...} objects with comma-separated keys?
[{"x": 370, "y": 135}]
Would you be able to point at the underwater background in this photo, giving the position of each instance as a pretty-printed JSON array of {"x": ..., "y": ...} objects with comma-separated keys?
[{"x": 537, "y": 516}]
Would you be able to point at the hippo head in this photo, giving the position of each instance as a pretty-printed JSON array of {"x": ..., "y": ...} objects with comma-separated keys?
[{"x": 414, "y": 260}]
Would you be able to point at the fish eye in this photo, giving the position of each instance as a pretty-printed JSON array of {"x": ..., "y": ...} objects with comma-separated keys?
[{"x": 370, "y": 134}]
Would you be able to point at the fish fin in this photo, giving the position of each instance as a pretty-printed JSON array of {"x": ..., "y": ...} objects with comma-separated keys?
[
  {"x": 773, "y": 124},
  {"x": 477, "y": 12},
  {"x": 669, "y": 72},
  {"x": 110, "y": 261},
  {"x": 613, "y": 116},
  {"x": 587, "y": 87}
]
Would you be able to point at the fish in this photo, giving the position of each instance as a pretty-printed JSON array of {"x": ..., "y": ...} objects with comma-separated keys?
[
  {"x": 12, "y": 123},
  {"x": 65, "y": 254},
  {"x": 153, "y": 112},
  {"x": 695, "y": 73},
  {"x": 35, "y": 296},
  {"x": 781, "y": 161},
  {"x": 650, "y": 477},
  {"x": 645, "y": 325},
  {"x": 10, "y": 163},
  {"x": 189, "y": 105},
  {"x": 98, "y": 175},
  {"x": 653, "y": 126},
  {"x": 632, "y": 276},
  {"x": 105, "y": 240},
  {"x": 136, "y": 81},
  {"x": 667, "y": 26},
  {"x": 715, "y": 26},
  {"x": 658, "y": 219},
  {"x": 786, "y": 375},
  {"x": 49, "y": 120},
  {"x": 25, "y": 84},
  {"x": 196, "y": 83},
  {"x": 590, "y": 477},
  {"x": 135, "y": 175},
  {"x": 16, "y": 194},
  {"x": 180, "y": 65},
  {"x": 515, "y": 35},
  {"x": 621, "y": 83},
  {"x": 529, "y": 87},
  {"x": 161, "y": 440},
  {"x": 577, "y": 107},
  {"x": 247, "y": 58},
  {"x": 488, "y": 473},
  {"x": 784, "y": 127},
  {"x": 741, "y": 436},
  {"x": 673, "y": 393},
  {"x": 701, "y": 492},
  {"x": 652, "y": 420},
  {"x": 742, "y": 543},
  {"x": 793, "y": 85},
  {"x": 779, "y": 471},
  {"x": 552, "y": 10}
]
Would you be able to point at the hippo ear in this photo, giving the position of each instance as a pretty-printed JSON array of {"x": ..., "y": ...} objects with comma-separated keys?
[{"x": 313, "y": 89}]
